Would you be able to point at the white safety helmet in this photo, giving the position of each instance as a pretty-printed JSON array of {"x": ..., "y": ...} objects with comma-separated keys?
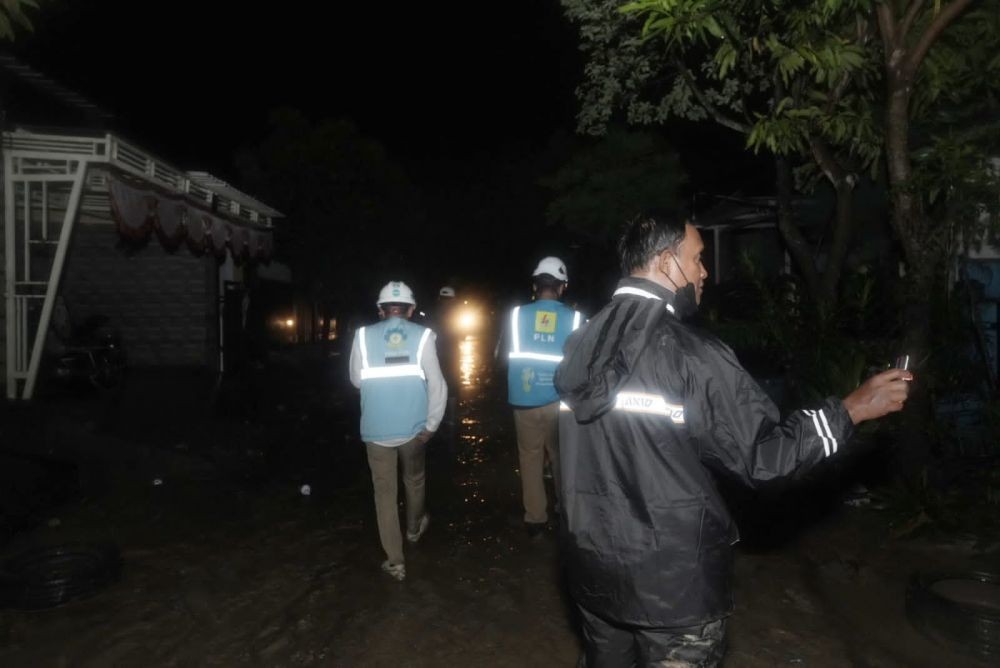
[
  {"x": 396, "y": 292},
  {"x": 552, "y": 266},
  {"x": 446, "y": 291}
]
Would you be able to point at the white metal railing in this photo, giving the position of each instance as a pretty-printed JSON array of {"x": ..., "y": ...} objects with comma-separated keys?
[
  {"x": 59, "y": 144},
  {"x": 118, "y": 153}
]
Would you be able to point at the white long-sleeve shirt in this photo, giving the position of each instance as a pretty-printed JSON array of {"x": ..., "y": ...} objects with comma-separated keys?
[{"x": 437, "y": 388}]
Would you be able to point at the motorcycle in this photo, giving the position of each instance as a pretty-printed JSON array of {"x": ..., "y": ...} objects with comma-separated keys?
[{"x": 92, "y": 356}]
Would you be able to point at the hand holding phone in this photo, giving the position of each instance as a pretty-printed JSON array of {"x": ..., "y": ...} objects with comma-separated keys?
[{"x": 881, "y": 394}]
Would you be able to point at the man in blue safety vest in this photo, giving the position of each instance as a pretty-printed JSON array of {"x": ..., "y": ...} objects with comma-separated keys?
[
  {"x": 403, "y": 395},
  {"x": 534, "y": 341}
]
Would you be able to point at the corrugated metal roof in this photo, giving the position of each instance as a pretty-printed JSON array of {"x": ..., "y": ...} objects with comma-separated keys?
[{"x": 50, "y": 87}]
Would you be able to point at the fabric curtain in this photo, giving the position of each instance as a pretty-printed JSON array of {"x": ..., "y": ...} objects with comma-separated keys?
[{"x": 139, "y": 211}]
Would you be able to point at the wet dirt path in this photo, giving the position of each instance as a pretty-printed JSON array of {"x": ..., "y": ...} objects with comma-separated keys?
[
  {"x": 224, "y": 570},
  {"x": 250, "y": 572}
]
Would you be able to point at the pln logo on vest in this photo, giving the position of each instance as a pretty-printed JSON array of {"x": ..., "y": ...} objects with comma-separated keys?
[
  {"x": 545, "y": 326},
  {"x": 545, "y": 322}
]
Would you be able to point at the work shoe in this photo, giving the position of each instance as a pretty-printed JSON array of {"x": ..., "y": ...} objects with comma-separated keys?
[
  {"x": 397, "y": 571},
  {"x": 424, "y": 523},
  {"x": 535, "y": 529}
]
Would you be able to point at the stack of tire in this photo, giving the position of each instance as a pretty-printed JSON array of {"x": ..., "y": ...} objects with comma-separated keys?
[{"x": 49, "y": 576}]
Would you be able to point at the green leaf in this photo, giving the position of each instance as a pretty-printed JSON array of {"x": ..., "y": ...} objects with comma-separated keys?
[
  {"x": 725, "y": 59},
  {"x": 713, "y": 27},
  {"x": 6, "y": 30}
]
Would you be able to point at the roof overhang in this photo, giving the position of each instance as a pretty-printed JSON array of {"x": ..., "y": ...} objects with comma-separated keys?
[{"x": 111, "y": 150}]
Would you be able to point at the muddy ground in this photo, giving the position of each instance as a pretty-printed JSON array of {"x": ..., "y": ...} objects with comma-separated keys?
[{"x": 227, "y": 563}]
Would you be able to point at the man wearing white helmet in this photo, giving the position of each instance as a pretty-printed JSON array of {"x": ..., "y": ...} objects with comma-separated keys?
[
  {"x": 534, "y": 340},
  {"x": 403, "y": 395},
  {"x": 443, "y": 317},
  {"x": 443, "y": 320}
]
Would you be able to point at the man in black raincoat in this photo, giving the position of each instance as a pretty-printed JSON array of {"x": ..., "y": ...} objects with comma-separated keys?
[{"x": 650, "y": 407}]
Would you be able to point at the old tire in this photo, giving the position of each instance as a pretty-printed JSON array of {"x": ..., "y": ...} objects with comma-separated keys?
[
  {"x": 958, "y": 609},
  {"x": 45, "y": 577}
]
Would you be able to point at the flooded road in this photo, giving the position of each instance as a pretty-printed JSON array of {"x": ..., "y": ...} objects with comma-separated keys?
[
  {"x": 236, "y": 566},
  {"x": 227, "y": 563}
]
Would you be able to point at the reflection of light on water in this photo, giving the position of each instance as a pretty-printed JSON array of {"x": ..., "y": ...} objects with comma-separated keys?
[{"x": 467, "y": 359}]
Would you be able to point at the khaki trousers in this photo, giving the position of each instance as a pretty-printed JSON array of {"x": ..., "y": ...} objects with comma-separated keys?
[
  {"x": 382, "y": 462},
  {"x": 537, "y": 437}
]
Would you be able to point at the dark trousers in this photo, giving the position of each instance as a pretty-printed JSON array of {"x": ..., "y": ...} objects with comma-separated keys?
[{"x": 607, "y": 645}]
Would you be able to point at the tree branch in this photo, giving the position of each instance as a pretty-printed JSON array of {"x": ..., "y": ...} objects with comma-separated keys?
[
  {"x": 911, "y": 14},
  {"x": 827, "y": 162},
  {"x": 940, "y": 22},
  {"x": 887, "y": 27},
  {"x": 798, "y": 247},
  {"x": 717, "y": 115},
  {"x": 836, "y": 93}
]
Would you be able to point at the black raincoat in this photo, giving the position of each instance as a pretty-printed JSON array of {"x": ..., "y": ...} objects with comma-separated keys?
[{"x": 651, "y": 406}]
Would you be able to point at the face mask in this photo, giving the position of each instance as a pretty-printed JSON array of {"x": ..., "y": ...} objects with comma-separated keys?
[{"x": 685, "y": 298}]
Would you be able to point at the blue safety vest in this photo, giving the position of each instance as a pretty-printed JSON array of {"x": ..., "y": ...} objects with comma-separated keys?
[
  {"x": 537, "y": 334},
  {"x": 393, "y": 385}
]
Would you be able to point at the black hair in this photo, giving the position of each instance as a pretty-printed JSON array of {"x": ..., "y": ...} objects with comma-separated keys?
[
  {"x": 547, "y": 282},
  {"x": 648, "y": 234}
]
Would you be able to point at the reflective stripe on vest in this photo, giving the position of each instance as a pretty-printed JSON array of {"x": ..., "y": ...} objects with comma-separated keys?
[
  {"x": 392, "y": 370},
  {"x": 515, "y": 343}
]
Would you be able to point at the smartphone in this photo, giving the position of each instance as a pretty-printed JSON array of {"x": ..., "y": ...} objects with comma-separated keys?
[{"x": 902, "y": 362}]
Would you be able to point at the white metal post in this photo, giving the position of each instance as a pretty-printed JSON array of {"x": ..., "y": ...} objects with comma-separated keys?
[
  {"x": 10, "y": 269},
  {"x": 225, "y": 273},
  {"x": 45, "y": 211},
  {"x": 65, "y": 235},
  {"x": 27, "y": 232}
]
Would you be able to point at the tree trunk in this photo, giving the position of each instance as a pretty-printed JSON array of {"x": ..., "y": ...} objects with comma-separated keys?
[
  {"x": 914, "y": 453},
  {"x": 843, "y": 231},
  {"x": 798, "y": 247},
  {"x": 897, "y": 147}
]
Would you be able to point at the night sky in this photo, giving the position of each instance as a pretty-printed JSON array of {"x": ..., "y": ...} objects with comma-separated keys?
[
  {"x": 465, "y": 97},
  {"x": 197, "y": 79}
]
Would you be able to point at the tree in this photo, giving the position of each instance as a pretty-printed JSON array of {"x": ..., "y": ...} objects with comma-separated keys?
[
  {"x": 830, "y": 55},
  {"x": 940, "y": 65},
  {"x": 12, "y": 13},
  {"x": 602, "y": 181},
  {"x": 801, "y": 80},
  {"x": 352, "y": 216},
  {"x": 711, "y": 65},
  {"x": 853, "y": 85}
]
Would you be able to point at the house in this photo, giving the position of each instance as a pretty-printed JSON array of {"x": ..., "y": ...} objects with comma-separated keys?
[{"x": 100, "y": 225}]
